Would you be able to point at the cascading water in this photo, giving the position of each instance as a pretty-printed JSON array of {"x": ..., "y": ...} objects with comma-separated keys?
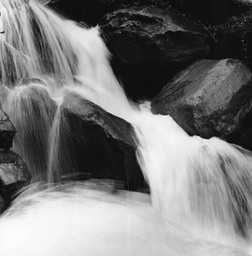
[
  {"x": 55, "y": 53},
  {"x": 53, "y": 148},
  {"x": 200, "y": 184},
  {"x": 32, "y": 113},
  {"x": 201, "y": 190}
]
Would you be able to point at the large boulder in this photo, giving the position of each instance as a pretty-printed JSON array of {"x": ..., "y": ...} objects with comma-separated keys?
[
  {"x": 13, "y": 175},
  {"x": 79, "y": 140},
  {"x": 151, "y": 44},
  {"x": 97, "y": 144},
  {"x": 7, "y": 131},
  {"x": 209, "y": 98}
]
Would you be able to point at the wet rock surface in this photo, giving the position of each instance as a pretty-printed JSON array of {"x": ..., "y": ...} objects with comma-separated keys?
[
  {"x": 13, "y": 175},
  {"x": 151, "y": 44},
  {"x": 209, "y": 98},
  {"x": 99, "y": 144},
  {"x": 7, "y": 131}
]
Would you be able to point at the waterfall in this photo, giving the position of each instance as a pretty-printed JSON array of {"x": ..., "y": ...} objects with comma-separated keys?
[
  {"x": 201, "y": 190},
  {"x": 41, "y": 49},
  {"x": 199, "y": 184},
  {"x": 53, "y": 148}
]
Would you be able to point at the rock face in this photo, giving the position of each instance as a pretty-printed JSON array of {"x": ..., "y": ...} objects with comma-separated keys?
[
  {"x": 209, "y": 98},
  {"x": 13, "y": 174},
  {"x": 152, "y": 44},
  {"x": 13, "y": 171},
  {"x": 7, "y": 131},
  {"x": 98, "y": 144}
]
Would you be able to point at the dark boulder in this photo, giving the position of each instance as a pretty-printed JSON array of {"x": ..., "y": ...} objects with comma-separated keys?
[
  {"x": 2, "y": 205},
  {"x": 97, "y": 144},
  {"x": 150, "y": 45},
  {"x": 13, "y": 174},
  {"x": 209, "y": 98},
  {"x": 7, "y": 131}
]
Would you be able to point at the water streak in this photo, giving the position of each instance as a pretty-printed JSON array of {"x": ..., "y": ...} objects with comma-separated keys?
[{"x": 53, "y": 171}]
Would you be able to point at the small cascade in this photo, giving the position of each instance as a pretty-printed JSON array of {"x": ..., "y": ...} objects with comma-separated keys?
[
  {"x": 32, "y": 111},
  {"x": 200, "y": 185},
  {"x": 53, "y": 148}
]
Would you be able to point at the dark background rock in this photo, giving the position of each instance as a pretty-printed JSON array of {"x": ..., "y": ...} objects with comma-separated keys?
[
  {"x": 213, "y": 12},
  {"x": 97, "y": 144},
  {"x": 209, "y": 98},
  {"x": 91, "y": 12},
  {"x": 14, "y": 174},
  {"x": 151, "y": 45},
  {"x": 233, "y": 38},
  {"x": 88, "y": 11},
  {"x": 7, "y": 131}
]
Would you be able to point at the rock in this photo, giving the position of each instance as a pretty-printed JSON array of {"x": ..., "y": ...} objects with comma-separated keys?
[
  {"x": 2, "y": 205},
  {"x": 151, "y": 44},
  {"x": 243, "y": 136},
  {"x": 98, "y": 144},
  {"x": 209, "y": 98},
  {"x": 13, "y": 174},
  {"x": 7, "y": 131}
]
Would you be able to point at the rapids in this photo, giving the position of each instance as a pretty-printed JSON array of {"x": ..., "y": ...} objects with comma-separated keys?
[{"x": 201, "y": 190}]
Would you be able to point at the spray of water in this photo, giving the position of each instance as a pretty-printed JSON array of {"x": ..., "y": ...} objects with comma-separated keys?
[
  {"x": 200, "y": 189},
  {"x": 86, "y": 219}
]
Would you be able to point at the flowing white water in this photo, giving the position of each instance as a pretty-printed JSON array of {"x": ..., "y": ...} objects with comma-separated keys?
[
  {"x": 89, "y": 221},
  {"x": 201, "y": 190},
  {"x": 32, "y": 112},
  {"x": 53, "y": 147},
  {"x": 202, "y": 185}
]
